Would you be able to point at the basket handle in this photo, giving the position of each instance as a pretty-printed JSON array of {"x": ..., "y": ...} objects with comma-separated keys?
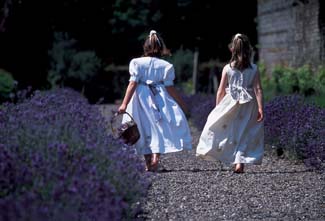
[{"x": 115, "y": 114}]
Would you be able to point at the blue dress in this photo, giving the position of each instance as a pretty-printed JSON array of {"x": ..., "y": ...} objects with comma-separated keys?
[{"x": 161, "y": 121}]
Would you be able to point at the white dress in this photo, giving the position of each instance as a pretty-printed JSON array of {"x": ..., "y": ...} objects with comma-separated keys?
[
  {"x": 232, "y": 134},
  {"x": 162, "y": 124}
]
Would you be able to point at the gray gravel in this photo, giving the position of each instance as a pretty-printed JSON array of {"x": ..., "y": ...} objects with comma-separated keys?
[{"x": 188, "y": 188}]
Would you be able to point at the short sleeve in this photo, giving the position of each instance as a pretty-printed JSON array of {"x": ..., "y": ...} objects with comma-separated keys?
[
  {"x": 169, "y": 75},
  {"x": 226, "y": 68},
  {"x": 134, "y": 72}
]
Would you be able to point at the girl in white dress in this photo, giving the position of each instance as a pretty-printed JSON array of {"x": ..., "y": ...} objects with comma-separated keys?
[
  {"x": 234, "y": 130},
  {"x": 155, "y": 104}
]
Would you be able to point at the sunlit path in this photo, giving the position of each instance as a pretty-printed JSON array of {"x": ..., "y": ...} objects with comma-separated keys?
[
  {"x": 191, "y": 189},
  {"x": 187, "y": 188}
]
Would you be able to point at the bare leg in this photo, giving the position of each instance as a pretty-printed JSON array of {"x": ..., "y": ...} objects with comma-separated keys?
[
  {"x": 147, "y": 158},
  {"x": 154, "y": 162},
  {"x": 239, "y": 168}
]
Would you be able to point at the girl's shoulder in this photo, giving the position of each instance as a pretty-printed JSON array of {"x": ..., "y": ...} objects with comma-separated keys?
[
  {"x": 227, "y": 67},
  {"x": 157, "y": 63},
  {"x": 252, "y": 67},
  {"x": 160, "y": 63},
  {"x": 139, "y": 60},
  {"x": 144, "y": 60},
  {"x": 163, "y": 62}
]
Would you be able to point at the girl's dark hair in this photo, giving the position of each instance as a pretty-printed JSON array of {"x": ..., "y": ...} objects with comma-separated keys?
[
  {"x": 154, "y": 46},
  {"x": 241, "y": 51}
]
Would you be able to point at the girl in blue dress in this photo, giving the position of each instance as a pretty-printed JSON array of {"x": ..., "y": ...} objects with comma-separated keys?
[{"x": 155, "y": 104}]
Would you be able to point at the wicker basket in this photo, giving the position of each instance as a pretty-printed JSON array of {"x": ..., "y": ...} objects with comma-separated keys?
[{"x": 128, "y": 131}]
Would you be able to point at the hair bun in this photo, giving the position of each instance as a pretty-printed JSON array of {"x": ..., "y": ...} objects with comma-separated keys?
[
  {"x": 237, "y": 35},
  {"x": 152, "y": 32}
]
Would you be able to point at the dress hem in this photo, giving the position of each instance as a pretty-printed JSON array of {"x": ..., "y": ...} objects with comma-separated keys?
[{"x": 210, "y": 158}]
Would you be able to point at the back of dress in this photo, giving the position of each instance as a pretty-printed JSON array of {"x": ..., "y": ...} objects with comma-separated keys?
[
  {"x": 232, "y": 133},
  {"x": 161, "y": 121},
  {"x": 152, "y": 70},
  {"x": 240, "y": 83}
]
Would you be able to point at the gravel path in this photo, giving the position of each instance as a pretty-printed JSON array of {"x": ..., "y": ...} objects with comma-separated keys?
[{"x": 188, "y": 188}]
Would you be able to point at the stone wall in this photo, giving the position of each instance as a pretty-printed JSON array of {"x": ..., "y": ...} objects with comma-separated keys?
[{"x": 290, "y": 32}]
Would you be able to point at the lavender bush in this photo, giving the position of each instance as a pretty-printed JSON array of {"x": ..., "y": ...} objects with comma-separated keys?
[
  {"x": 297, "y": 127},
  {"x": 58, "y": 163},
  {"x": 199, "y": 105},
  {"x": 278, "y": 113}
]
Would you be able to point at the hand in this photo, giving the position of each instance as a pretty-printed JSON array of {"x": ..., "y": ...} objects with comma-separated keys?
[
  {"x": 122, "y": 108},
  {"x": 260, "y": 116}
]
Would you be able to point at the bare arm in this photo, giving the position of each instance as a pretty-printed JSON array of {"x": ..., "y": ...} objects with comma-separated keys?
[
  {"x": 222, "y": 86},
  {"x": 259, "y": 95},
  {"x": 128, "y": 95},
  {"x": 173, "y": 92}
]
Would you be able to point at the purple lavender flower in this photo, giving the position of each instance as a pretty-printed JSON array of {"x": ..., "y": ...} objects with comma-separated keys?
[
  {"x": 297, "y": 127},
  {"x": 58, "y": 162}
]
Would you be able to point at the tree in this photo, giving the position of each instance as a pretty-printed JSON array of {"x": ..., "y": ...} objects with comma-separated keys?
[
  {"x": 69, "y": 64},
  {"x": 4, "y": 14},
  {"x": 134, "y": 14}
]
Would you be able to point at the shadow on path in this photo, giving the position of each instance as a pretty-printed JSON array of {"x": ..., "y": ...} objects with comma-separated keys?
[{"x": 225, "y": 170}]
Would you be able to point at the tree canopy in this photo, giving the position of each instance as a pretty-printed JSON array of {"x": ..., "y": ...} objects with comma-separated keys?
[{"x": 115, "y": 29}]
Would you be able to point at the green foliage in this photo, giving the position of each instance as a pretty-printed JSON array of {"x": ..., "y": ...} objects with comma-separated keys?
[
  {"x": 306, "y": 80},
  {"x": 268, "y": 82},
  {"x": 67, "y": 62},
  {"x": 7, "y": 84},
  {"x": 300, "y": 80},
  {"x": 183, "y": 64},
  {"x": 132, "y": 14},
  {"x": 84, "y": 65},
  {"x": 320, "y": 80},
  {"x": 286, "y": 80},
  {"x": 187, "y": 86}
]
